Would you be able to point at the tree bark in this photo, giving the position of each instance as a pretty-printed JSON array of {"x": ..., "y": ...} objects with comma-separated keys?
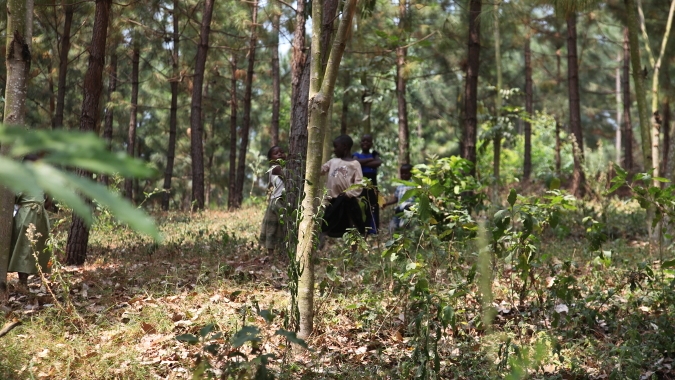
[
  {"x": 321, "y": 96},
  {"x": 63, "y": 66},
  {"x": 173, "y": 116},
  {"x": 497, "y": 140},
  {"x": 109, "y": 110},
  {"x": 470, "y": 134},
  {"x": 558, "y": 148},
  {"x": 276, "y": 84},
  {"x": 578, "y": 179},
  {"x": 529, "y": 109},
  {"x": 366, "y": 104},
  {"x": 401, "y": 53},
  {"x": 78, "y": 236},
  {"x": 196, "y": 125},
  {"x": 627, "y": 125},
  {"x": 246, "y": 122},
  {"x": 17, "y": 62},
  {"x": 344, "y": 117},
  {"x": 232, "y": 178},
  {"x": 133, "y": 115},
  {"x": 638, "y": 81}
]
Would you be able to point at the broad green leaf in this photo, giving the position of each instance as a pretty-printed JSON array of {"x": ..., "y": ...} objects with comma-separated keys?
[
  {"x": 668, "y": 264},
  {"x": 120, "y": 208},
  {"x": 246, "y": 334},
  {"x": 555, "y": 184},
  {"x": 189, "y": 338},
  {"x": 292, "y": 337},
  {"x": 204, "y": 331},
  {"x": 512, "y": 197}
]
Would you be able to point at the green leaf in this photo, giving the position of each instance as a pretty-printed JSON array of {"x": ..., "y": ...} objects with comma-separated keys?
[
  {"x": 331, "y": 272},
  {"x": 120, "y": 208},
  {"x": 292, "y": 337},
  {"x": 267, "y": 315},
  {"x": 668, "y": 264},
  {"x": 204, "y": 331},
  {"x": 246, "y": 334},
  {"x": 555, "y": 184},
  {"x": 512, "y": 197},
  {"x": 188, "y": 338}
]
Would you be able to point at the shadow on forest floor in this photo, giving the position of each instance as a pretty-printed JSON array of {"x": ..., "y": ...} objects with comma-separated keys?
[{"x": 118, "y": 316}]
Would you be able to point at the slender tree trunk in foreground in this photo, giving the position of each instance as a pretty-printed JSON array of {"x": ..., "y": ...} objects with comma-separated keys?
[
  {"x": 578, "y": 179},
  {"x": 64, "y": 49},
  {"x": 627, "y": 125},
  {"x": 173, "y": 116},
  {"x": 232, "y": 177},
  {"x": 558, "y": 148},
  {"x": 619, "y": 113},
  {"x": 133, "y": 115},
  {"x": 246, "y": 123},
  {"x": 470, "y": 134},
  {"x": 497, "y": 141},
  {"x": 17, "y": 61},
  {"x": 403, "y": 131},
  {"x": 638, "y": 81},
  {"x": 78, "y": 236},
  {"x": 196, "y": 124},
  {"x": 527, "y": 126},
  {"x": 276, "y": 86},
  {"x": 321, "y": 97}
]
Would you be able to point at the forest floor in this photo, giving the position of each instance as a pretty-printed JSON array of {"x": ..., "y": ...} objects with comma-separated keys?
[{"x": 117, "y": 317}]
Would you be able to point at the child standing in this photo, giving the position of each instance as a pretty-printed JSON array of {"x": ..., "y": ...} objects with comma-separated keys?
[
  {"x": 31, "y": 211},
  {"x": 370, "y": 161},
  {"x": 271, "y": 232},
  {"x": 343, "y": 210},
  {"x": 399, "y": 221}
]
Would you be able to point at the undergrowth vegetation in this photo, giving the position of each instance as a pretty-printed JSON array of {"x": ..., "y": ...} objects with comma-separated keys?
[{"x": 539, "y": 286}]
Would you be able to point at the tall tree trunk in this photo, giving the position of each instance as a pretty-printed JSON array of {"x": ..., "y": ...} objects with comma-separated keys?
[
  {"x": 109, "y": 109},
  {"x": 232, "y": 178},
  {"x": 344, "y": 117},
  {"x": 627, "y": 125},
  {"x": 17, "y": 62},
  {"x": 558, "y": 149},
  {"x": 666, "y": 135},
  {"x": 78, "y": 236},
  {"x": 321, "y": 97},
  {"x": 578, "y": 178},
  {"x": 196, "y": 125},
  {"x": 173, "y": 117},
  {"x": 470, "y": 134},
  {"x": 246, "y": 122},
  {"x": 366, "y": 103},
  {"x": 133, "y": 114},
  {"x": 638, "y": 81},
  {"x": 529, "y": 109},
  {"x": 276, "y": 84},
  {"x": 497, "y": 141},
  {"x": 297, "y": 139},
  {"x": 619, "y": 112},
  {"x": 401, "y": 53},
  {"x": 64, "y": 49}
]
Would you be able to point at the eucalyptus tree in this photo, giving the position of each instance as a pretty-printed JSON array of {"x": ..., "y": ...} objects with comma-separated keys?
[
  {"x": 133, "y": 111},
  {"x": 655, "y": 63},
  {"x": 173, "y": 118},
  {"x": 627, "y": 125},
  {"x": 631, "y": 20},
  {"x": 401, "y": 53},
  {"x": 196, "y": 123},
  {"x": 78, "y": 235},
  {"x": 470, "y": 132},
  {"x": 17, "y": 61},
  {"x": 322, "y": 86}
]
